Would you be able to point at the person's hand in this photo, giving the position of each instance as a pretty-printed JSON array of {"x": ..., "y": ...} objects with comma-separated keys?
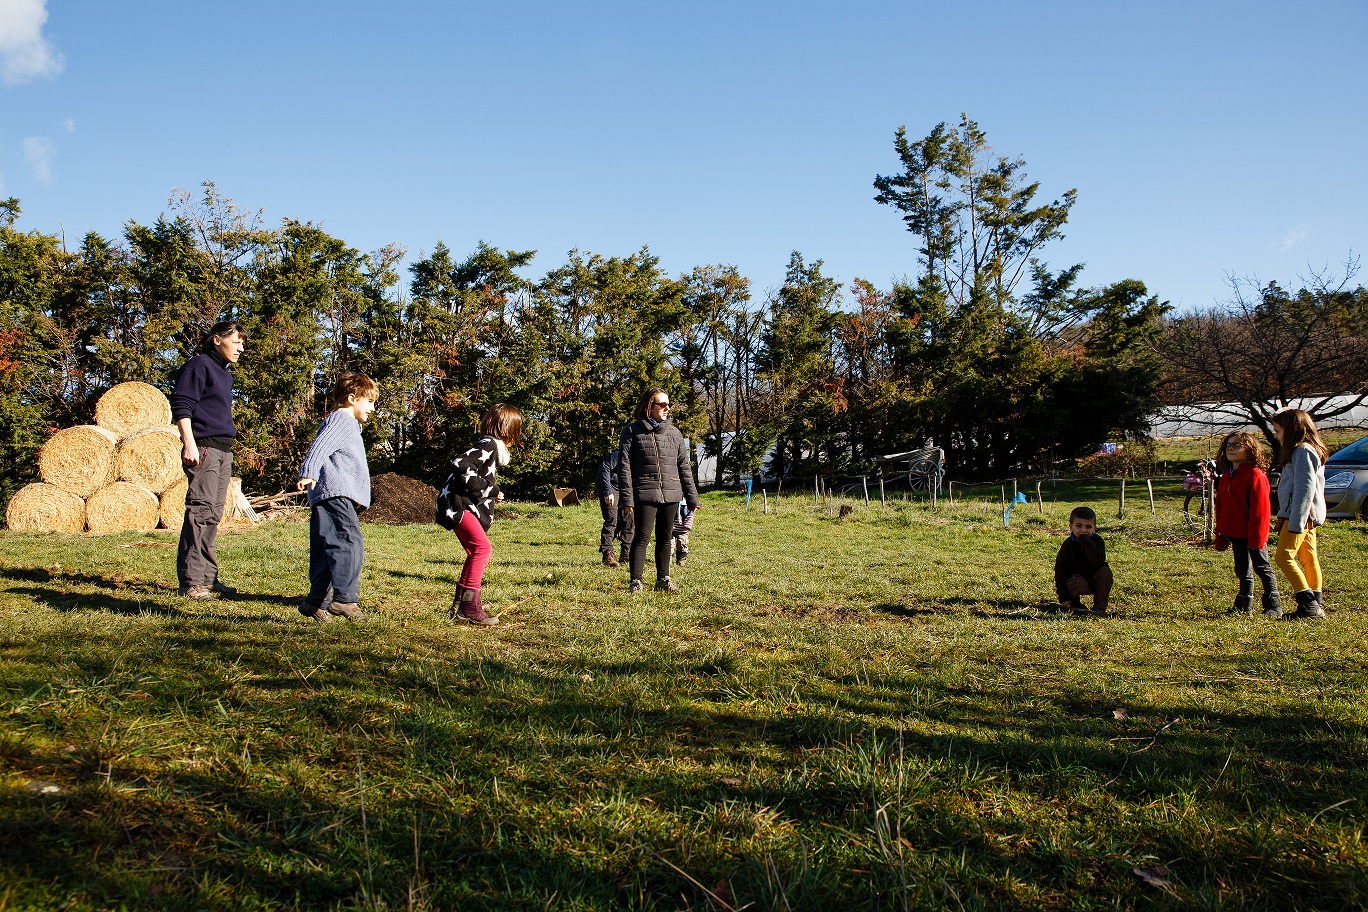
[
  {"x": 609, "y": 500},
  {"x": 304, "y": 484},
  {"x": 627, "y": 510},
  {"x": 1220, "y": 544},
  {"x": 190, "y": 454}
]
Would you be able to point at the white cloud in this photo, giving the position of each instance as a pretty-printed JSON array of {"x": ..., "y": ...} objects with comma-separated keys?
[
  {"x": 25, "y": 55},
  {"x": 39, "y": 152},
  {"x": 1294, "y": 237},
  {"x": 69, "y": 126}
]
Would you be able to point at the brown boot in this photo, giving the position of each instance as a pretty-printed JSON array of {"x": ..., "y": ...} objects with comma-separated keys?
[
  {"x": 608, "y": 559},
  {"x": 466, "y": 607}
]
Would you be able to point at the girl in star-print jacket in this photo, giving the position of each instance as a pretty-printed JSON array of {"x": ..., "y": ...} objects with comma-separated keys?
[{"x": 466, "y": 506}]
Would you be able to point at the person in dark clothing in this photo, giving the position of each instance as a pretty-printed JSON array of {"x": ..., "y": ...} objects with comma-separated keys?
[
  {"x": 1081, "y": 564},
  {"x": 654, "y": 475},
  {"x": 617, "y": 521},
  {"x": 202, "y": 410}
]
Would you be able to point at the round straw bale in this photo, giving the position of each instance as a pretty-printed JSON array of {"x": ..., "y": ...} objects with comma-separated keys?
[
  {"x": 151, "y": 458},
  {"x": 79, "y": 459},
  {"x": 172, "y": 508},
  {"x": 45, "y": 508},
  {"x": 129, "y": 407},
  {"x": 121, "y": 507}
]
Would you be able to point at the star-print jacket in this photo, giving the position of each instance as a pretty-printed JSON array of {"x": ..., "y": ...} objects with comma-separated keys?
[{"x": 471, "y": 485}]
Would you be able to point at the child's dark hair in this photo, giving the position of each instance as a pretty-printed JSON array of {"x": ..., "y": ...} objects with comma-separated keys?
[
  {"x": 1082, "y": 513},
  {"x": 222, "y": 330},
  {"x": 353, "y": 383},
  {"x": 504, "y": 422}
]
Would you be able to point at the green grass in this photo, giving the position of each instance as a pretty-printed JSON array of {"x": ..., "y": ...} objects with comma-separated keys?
[
  {"x": 1180, "y": 453},
  {"x": 871, "y": 712}
]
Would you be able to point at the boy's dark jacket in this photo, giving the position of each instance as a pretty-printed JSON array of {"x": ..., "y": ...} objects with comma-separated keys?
[
  {"x": 1078, "y": 557},
  {"x": 471, "y": 485}
]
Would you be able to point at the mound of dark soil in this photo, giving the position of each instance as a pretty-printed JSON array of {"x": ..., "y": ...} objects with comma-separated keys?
[{"x": 399, "y": 500}]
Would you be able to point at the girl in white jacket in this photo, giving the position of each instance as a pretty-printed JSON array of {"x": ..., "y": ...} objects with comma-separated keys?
[{"x": 1301, "y": 508}]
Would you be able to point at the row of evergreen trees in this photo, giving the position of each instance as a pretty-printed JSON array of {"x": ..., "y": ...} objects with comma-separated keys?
[{"x": 830, "y": 377}]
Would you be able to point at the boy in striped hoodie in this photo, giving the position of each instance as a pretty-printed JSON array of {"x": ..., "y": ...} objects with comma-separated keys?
[{"x": 337, "y": 477}]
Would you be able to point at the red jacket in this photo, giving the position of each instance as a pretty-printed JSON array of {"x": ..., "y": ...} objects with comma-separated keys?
[{"x": 1242, "y": 505}]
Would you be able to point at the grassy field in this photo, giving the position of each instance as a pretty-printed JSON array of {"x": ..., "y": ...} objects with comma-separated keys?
[{"x": 879, "y": 711}]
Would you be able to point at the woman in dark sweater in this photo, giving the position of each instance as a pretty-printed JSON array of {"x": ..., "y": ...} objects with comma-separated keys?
[
  {"x": 655, "y": 475},
  {"x": 202, "y": 409}
]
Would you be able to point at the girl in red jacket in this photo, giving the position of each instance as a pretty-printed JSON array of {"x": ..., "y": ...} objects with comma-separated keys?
[{"x": 1243, "y": 510}]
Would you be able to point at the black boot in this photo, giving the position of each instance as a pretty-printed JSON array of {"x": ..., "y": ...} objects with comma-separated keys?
[
  {"x": 1307, "y": 609},
  {"x": 1319, "y": 599},
  {"x": 1272, "y": 605},
  {"x": 1243, "y": 603}
]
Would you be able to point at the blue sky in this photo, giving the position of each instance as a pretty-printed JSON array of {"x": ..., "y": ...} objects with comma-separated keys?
[{"x": 1203, "y": 138}]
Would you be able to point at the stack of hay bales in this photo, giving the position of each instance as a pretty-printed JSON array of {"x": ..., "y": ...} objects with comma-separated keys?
[{"x": 121, "y": 474}]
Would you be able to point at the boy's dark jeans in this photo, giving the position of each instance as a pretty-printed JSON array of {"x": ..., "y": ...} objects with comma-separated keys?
[
  {"x": 1250, "y": 562},
  {"x": 335, "y": 551},
  {"x": 616, "y": 524},
  {"x": 662, "y": 517}
]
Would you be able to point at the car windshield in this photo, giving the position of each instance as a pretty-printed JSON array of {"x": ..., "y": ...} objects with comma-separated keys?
[{"x": 1355, "y": 452}]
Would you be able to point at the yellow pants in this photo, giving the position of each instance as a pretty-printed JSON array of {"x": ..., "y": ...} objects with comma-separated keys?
[{"x": 1296, "y": 558}]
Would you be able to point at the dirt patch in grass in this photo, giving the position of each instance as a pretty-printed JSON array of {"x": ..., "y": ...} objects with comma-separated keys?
[{"x": 398, "y": 500}]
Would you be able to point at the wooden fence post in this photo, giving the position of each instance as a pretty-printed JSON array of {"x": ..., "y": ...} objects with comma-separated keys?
[
  {"x": 1121, "y": 509},
  {"x": 765, "y": 498},
  {"x": 1149, "y": 483},
  {"x": 883, "y": 503},
  {"x": 864, "y": 480},
  {"x": 1040, "y": 502}
]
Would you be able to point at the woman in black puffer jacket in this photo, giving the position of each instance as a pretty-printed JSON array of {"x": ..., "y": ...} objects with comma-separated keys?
[{"x": 656, "y": 474}]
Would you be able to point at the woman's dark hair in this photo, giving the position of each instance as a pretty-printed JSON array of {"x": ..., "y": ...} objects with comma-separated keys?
[
  {"x": 1298, "y": 428},
  {"x": 353, "y": 383},
  {"x": 1255, "y": 454},
  {"x": 223, "y": 329},
  {"x": 503, "y": 421},
  {"x": 646, "y": 398}
]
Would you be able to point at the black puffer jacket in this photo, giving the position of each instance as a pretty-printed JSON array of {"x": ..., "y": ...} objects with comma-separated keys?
[{"x": 655, "y": 466}]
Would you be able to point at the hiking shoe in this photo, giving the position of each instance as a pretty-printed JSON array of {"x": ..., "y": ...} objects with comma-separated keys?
[
  {"x": 665, "y": 584},
  {"x": 347, "y": 610},
  {"x": 223, "y": 589},
  {"x": 316, "y": 612},
  {"x": 197, "y": 593},
  {"x": 634, "y": 587},
  {"x": 681, "y": 556},
  {"x": 609, "y": 560}
]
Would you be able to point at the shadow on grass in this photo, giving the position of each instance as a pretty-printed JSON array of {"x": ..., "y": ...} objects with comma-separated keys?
[{"x": 597, "y": 785}]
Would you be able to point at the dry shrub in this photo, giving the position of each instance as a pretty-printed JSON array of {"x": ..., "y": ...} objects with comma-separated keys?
[
  {"x": 45, "y": 508},
  {"x": 121, "y": 507},
  {"x": 151, "y": 458},
  {"x": 80, "y": 460},
  {"x": 1135, "y": 458},
  {"x": 129, "y": 407}
]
